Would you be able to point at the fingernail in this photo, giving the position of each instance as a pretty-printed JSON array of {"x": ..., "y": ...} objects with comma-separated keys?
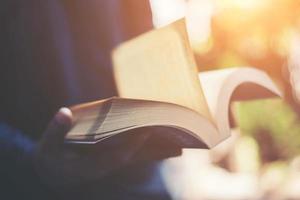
[{"x": 64, "y": 116}]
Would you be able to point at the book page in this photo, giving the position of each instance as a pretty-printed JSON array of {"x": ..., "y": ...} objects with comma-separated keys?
[
  {"x": 101, "y": 120},
  {"x": 159, "y": 65},
  {"x": 221, "y": 87}
]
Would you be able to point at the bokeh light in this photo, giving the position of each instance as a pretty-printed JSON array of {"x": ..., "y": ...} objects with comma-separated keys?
[{"x": 263, "y": 157}]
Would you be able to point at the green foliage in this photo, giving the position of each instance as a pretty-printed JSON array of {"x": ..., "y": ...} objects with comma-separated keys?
[{"x": 273, "y": 116}]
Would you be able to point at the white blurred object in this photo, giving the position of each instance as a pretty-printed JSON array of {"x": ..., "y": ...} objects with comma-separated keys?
[
  {"x": 294, "y": 66},
  {"x": 225, "y": 148},
  {"x": 198, "y": 15},
  {"x": 291, "y": 189},
  {"x": 194, "y": 176},
  {"x": 166, "y": 11}
]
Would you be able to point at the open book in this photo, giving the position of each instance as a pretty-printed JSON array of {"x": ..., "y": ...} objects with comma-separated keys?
[{"x": 158, "y": 85}]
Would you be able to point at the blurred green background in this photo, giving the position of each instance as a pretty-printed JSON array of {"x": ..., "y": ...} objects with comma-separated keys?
[
  {"x": 260, "y": 33},
  {"x": 264, "y": 34}
]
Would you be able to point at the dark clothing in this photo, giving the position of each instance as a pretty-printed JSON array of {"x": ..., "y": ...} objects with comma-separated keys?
[
  {"x": 18, "y": 178},
  {"x": 20, "y": 181},
  {"x": 56, "y": 53}
]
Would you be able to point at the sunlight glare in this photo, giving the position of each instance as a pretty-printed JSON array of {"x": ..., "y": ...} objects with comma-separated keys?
[
  {"x": 248, "y": 4},
  {"x": 167, "y": 11},
  {"x": 242, "y": 4}
]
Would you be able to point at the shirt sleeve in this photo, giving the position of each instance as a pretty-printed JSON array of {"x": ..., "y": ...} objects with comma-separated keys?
[{"x": 18, "y": 178}]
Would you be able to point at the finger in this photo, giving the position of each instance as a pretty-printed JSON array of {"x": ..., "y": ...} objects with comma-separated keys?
[{"x": 55, "y": 133}]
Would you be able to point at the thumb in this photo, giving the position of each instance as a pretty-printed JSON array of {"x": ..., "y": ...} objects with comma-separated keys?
[{"x": 55, "y": 133}]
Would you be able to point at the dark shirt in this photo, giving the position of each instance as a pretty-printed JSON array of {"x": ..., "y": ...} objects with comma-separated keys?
[
  {"x": 18, "y": 178},
  {"x": 54, "y": 53},
  {"x": 20, "y": 181}
]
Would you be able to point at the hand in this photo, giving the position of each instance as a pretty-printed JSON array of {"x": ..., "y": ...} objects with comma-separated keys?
[{"x": 60, "y": 164}]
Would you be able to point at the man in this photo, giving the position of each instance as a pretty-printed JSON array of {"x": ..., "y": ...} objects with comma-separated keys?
[{"x": 57, "y": 53}]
